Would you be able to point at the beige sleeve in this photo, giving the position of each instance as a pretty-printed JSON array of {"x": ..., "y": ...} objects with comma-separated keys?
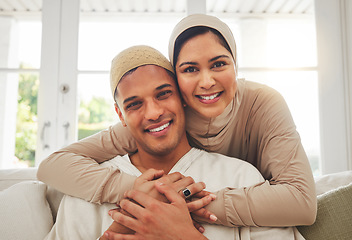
[
  {"x": 287, "y": 197},
  {"x": 75, "y": 169}
]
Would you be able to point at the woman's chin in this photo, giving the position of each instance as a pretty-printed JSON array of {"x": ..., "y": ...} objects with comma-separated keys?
[{"x": 210, "y": 112}]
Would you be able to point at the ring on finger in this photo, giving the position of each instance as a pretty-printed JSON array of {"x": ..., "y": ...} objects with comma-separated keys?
[{"x": 186, "y": 193}]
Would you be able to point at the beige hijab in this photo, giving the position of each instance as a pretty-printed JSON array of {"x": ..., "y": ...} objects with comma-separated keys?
[{"x": 206, "y": 21}]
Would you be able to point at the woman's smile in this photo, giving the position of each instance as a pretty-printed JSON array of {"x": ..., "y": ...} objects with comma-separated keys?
[{"x": 209, "y": 98}]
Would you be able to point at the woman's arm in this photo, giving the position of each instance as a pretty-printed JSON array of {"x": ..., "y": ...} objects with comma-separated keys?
[
  {"x": 75, "y": 169},
  {"x": 288, "y": 196}
]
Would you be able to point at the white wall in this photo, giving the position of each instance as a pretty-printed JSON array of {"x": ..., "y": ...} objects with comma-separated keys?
[{"x": 334, "y": 23}]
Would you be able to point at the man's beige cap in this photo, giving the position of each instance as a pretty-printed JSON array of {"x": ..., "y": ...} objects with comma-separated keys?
[{"x": 133, "y": 57}]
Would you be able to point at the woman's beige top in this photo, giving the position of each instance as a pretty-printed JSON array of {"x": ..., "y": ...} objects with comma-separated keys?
[{"x": 256, "y": 127}]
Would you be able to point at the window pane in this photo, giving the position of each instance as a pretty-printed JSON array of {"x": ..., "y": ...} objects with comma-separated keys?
[
  {"x": 291, "y": 43},
  {"x": 26, "y": 124},
  {"x": 30, "y": 39},
  {"x": 96, "y": 106},
  {"x": 99, "y": 42},
  {"x": 20, "y": 43},
  {"x": 20, "y": 48}
]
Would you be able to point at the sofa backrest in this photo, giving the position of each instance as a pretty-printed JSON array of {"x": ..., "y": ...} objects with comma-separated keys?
[{"x": 9, "y": 177}]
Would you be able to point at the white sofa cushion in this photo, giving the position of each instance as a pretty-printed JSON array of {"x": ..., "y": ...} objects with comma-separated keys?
[
  {"x": 9, "y": 177},
  {"x": 332, "y": 181},
  {"x": 25, "y": 212}
]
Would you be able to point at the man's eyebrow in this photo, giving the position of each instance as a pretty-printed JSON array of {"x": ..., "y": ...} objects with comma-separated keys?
[
  {"x": 163, "y": 86},
  {"x": 217, "y": 57},
  {"x": 129, "y": 99}
]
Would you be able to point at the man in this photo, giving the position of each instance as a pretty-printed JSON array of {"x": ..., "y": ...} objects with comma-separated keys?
[{"x": 149, "y": 106}]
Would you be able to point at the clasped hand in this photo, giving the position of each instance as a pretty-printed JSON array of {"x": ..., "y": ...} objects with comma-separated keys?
[{"x": 157, "y": 209}]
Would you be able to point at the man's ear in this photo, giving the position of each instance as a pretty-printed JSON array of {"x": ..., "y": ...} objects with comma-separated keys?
[{"x": 119, "y": 113}]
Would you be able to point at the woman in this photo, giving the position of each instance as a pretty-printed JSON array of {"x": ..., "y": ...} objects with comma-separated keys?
[{"x": 234, "y": 117}]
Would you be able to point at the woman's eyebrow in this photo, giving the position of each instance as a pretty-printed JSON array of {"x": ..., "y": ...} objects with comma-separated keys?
[
  {"x": 187, "y": 63},
  {"x": 217, "y": 57},
  {"x": 211, "y": 60}
]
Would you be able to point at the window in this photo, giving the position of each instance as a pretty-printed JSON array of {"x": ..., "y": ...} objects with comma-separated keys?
[
  {"x": 78, "y": 39},
  {"x": 281, "y": 53},
  {"x": 19, "y": 81}
]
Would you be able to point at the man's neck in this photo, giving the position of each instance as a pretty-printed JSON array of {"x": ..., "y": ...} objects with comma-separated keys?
[{"x": 143, "y": 160}]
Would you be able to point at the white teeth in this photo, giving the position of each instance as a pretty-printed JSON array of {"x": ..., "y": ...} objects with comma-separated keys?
[
  {"x": 160, "y": 128},
  {"x": 211, "y": 97}
]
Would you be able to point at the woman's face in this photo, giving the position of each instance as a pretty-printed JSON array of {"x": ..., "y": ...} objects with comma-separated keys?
[{"x": 206, "y": 75}]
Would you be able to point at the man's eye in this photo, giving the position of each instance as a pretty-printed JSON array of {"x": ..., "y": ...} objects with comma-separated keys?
[
  {"x": 164, "y": 94},
  {"x": 133, "y": 105}
]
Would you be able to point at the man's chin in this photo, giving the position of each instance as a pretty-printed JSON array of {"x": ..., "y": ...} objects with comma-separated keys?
[{"x": 160, "y": 150}]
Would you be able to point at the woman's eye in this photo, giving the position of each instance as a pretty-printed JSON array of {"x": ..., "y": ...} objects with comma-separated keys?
[
  {"x": 218, "y": 64},
  {"x": 133, "y": 105},
  {"x": 190, "y": 69},
  {"x": 164, "y": 94}
]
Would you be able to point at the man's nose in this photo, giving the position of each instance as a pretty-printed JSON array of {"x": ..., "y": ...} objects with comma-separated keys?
[{"x": 153, "y": 110}]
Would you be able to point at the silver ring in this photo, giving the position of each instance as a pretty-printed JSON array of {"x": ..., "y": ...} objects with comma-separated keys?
[{"x": 187, "y": 193}]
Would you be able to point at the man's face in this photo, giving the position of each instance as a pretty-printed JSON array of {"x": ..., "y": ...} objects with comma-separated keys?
[{"x": 150, "y": 106}]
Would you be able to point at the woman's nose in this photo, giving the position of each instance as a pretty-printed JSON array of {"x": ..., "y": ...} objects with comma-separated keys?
[{"x": 207, "y": 80}]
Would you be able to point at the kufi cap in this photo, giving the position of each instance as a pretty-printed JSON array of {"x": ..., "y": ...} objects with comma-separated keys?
[
  {"x": 195, "y": 20},
  {"x": 133, "y": 57}
]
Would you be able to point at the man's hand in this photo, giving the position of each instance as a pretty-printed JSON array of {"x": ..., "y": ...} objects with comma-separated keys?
[
  {"x": 145, "y": 183},
  {"x": 154, "y": 219}
]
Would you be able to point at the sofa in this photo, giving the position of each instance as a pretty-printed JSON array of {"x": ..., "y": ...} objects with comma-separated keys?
[{"x": 28, "y": 207}]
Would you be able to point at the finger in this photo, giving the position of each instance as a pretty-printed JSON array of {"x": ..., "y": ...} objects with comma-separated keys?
[
  {"x": 194, "y": 188},
  {"x": 182, "y": 183},
  {"x": 135, "y": 209},
  {"x": 202, "y": 194},
  {"x": 170, "y": 178},
  {"x": 204, "y": 215},
  {"x": 117, "y": 236},
  {"x": 169, "y": 193},
  {"x": 114, "y": 209},
  {"x": 144, "y": 200},
  {"x": 151, "y": 174},
  {"x": 125, "y": 220},
  {"x": 199, "y": 227},
  {"x": 199, "y": 203}
]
